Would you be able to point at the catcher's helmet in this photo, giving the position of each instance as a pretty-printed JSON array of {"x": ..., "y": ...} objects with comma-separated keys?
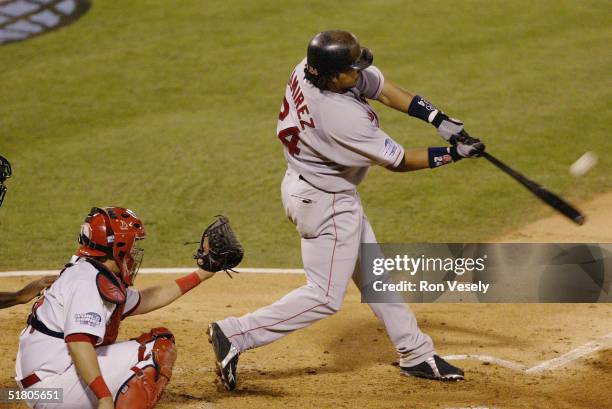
[
  {"x": 112, "y": 232},
  {"x": 5, "y": 173},
  {"x": 334, "y": 51}
]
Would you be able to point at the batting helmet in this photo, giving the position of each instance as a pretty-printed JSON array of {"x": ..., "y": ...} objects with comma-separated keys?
[
  {"x": 332, "y": 52},
  {"x": 5, "y": 173},
  {"x": 113, "y": 232}
]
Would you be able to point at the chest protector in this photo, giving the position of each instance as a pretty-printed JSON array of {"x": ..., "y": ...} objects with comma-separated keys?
[{"x": 111, "y": 289}]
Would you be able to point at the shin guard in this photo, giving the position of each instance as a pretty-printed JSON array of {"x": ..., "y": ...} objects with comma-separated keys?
[{"x": 150, "y": 376}]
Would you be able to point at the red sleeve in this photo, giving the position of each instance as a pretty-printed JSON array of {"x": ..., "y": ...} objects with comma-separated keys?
[{"x": 81, "y": 337}]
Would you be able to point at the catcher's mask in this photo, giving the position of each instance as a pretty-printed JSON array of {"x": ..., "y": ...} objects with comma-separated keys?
[
  {"x": 113, "y": 232},
  {"x": 5, "y": 173}
]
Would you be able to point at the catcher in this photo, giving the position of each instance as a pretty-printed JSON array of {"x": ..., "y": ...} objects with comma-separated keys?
[{"x": 69, "y": 341}]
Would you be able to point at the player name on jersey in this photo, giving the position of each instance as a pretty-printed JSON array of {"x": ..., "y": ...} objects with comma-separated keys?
[{"x": 298, "y": 99}]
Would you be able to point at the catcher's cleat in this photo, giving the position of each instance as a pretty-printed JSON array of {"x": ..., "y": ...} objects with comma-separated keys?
[
  {"x": 434, "y": 368},
  {"x": 226, "y": 355}
]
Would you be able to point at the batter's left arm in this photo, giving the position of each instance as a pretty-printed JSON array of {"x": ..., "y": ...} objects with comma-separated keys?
[
  {"x": 414, "y": 105},
  {"x": 450, "y": 129},
  {"x": 395, "y": 97}
]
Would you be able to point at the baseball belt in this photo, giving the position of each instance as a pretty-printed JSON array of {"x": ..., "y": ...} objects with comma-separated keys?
[{"x": 29, "y": 381}]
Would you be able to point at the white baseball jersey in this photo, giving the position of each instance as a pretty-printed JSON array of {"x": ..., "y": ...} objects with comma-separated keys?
[
  {"x": 331, "y": 139},
  {"x": 71, "y": 305},
  {"x": 330, "y": 142}
]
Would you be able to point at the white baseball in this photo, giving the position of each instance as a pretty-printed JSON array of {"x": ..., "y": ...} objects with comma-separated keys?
[{"x": 584, "y": 164}]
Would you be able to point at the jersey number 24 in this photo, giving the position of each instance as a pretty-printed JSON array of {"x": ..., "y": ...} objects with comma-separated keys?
[{"x": 289, "y": 136}]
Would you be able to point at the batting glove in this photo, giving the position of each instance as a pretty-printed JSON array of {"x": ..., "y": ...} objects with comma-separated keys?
[
  {"x": 447, "y": 127},
  {"x": 464, "y": 146}
]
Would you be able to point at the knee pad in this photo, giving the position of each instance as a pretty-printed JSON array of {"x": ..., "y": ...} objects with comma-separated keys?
[{"x": 145, "y": 386}]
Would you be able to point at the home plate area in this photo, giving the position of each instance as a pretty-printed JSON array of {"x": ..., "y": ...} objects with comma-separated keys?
[{"x": 514, "y": 355}]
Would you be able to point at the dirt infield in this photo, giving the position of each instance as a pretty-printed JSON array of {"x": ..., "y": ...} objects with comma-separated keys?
[{"x": 346, "y": 361}]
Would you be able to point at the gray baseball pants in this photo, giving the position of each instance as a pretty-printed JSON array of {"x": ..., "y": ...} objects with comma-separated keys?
[{"x": 332, "y": 226}]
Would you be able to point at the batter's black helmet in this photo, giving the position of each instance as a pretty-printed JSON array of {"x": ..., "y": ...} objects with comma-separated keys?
[
  {"x": 334, "y": 51},
  {"x": 5, "y": 172}
]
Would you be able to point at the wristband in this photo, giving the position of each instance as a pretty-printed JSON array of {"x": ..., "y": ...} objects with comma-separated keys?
[
  {"x": 99, "y": 388},
  {"x": 188, "y": 282},
  {"x": 454, "y": 153},
  {"x": 439, "y": 156},
  {"x": 423, "y": 109}
]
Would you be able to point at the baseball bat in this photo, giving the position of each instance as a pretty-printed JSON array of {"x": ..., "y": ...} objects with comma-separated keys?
[{"x": 548, "y": 197}]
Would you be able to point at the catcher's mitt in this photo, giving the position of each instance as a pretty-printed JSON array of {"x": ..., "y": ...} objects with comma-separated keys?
[{"x": 219, "y": 248}]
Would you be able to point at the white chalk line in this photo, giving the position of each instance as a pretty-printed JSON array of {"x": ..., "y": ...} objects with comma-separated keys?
[
  {"x": 488, "y": 359},
  {"x": 602, "y": 342},
  {"x": 174, "y": 270},
  {"x": 552, "y": 364},
  {"x": 588, "y": 348},
  {"x": 211, "y": 368}
]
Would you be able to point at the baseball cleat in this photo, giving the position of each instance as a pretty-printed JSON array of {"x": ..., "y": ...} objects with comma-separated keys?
[
  {"x": 226, "y": 355},
  {"x": 434, "y": 368}
]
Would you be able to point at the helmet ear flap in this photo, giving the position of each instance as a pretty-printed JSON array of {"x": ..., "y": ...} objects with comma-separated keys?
[
  {"x": 85, "y": 233},
  {"x": 94, "y": 235}
]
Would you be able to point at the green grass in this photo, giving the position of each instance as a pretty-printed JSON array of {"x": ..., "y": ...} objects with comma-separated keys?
[{"x": 170, "y": 109}]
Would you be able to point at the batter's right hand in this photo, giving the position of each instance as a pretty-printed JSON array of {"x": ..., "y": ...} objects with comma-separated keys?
[
  {"x": 466, "y": 146},
  {"x": 470, "y": 151}
]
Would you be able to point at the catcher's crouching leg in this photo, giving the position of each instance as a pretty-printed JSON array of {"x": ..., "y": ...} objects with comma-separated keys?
[{"x": 151, "y": 374}]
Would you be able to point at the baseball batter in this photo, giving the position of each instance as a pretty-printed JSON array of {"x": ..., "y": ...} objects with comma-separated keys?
[
  {"x": 69, "y": 342},
  {"x": 331, "y": 136}
]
